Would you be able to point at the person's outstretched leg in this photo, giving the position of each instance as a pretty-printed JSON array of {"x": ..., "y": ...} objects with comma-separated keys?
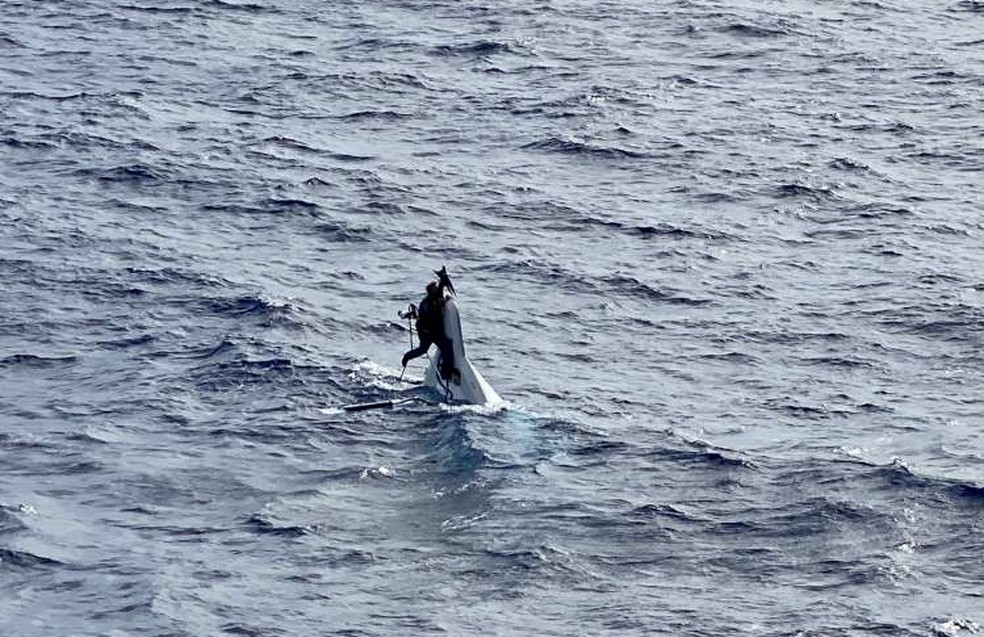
[{"x": 420, "y": 350}]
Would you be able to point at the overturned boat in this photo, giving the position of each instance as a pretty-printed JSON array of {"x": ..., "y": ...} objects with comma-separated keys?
[
  {"x": 460, "y": 383},
  {"x": 466, "y": 384}
]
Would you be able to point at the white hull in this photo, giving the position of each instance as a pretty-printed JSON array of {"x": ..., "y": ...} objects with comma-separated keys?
[{"x": 471, "y": 388}]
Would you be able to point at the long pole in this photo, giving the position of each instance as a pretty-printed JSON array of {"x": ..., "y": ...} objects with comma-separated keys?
[{"x": 409, "y": 329}]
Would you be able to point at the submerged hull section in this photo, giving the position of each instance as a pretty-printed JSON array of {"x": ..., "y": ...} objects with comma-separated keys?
[{"x": 471, "y": 386}]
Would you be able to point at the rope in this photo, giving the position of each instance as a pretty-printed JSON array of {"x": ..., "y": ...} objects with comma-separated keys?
[{"x": 448, "y": 394}]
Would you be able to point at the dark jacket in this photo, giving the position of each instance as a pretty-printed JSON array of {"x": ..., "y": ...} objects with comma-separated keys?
[{"x": 430, "y": 318}]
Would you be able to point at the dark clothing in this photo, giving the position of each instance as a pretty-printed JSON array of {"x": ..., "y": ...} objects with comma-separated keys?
[
  {"x": 446, "y": 359},
  {"x": 430, "y": 318},
  {"x": 430, "y": 330}
]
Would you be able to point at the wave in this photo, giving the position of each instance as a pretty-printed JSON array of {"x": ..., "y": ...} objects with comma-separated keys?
[
  {"x": 72, "y": 467},
  {"x": 268, "y": 312},
  {"x": 896, "y": 128},
  {"x": 9, "y": 522},
  {"x": 801, "y": 190},
  {"x": 543, "y": 557},
  {"x": 221, "y": 5},
  {"x": 26, "y": 441},
  {"x": 31, "y": 95},
  {"x": 677, "y": 449},
  {"x": 209, "y": 350},
  {"x": 177, "y": 10},
  {"x": 291, "y": 205},
  {"x": 582, "y": 149},
  {"x": 955, "y": 627},
  {"x": 897, "y": 475},
  {"x": 268, "y": 206},
  {"x": 174, "y": 276},
  {"x": 839, "y": 361},
  {"x": 955, "y": 322},
  {"x": 341, "y": 233},
  {"x": 24, "y": 559},
  {"x": 350, "y": 157},
  {"x": 453, "y": 450},
  {"x": 620, "y": 284},
  {"x": 581, "y": 102},
  {"x": 127, "y": 342},
  {"x": 8, "y": 41},
  {"x": 879, "y": 210},
  {"x": 732, "y": 356},
  {"x": 21, "y": 142},
  {"x": 847, "y": 164},
  {"x": 231, "y": 368},
  {"x": 372, "y": 44},
  {"x": 375, "y": 115},
  {"x": 258, "y": 523},
  {"x": 662, "y": 512},
  {"x": 739, "y": 55},
  {"x": 554, "y": 216},
  {"x": 754, "y": 31},
  {"x": 291, "y": 143},
  {"x": 243, "y": 7},
  {"x": 345, "y": 474},
  {"x": 36, "y": 360},
  {"x": 894, "y": 480},
  {"x": 973, "y": 6},
  {"x": 630, "y": 286},
  {"x": 702, "y": 456},
  {"x": 136, "y": 174},
  {"x": 480, "y": 48},
  {"x": 239, "y": 306},
  {"x": 816, "y": 516},
  {"x": 383, "y": 207},
  {"x": 86, "y": 140},
  {"x": 602, "y": 448}
]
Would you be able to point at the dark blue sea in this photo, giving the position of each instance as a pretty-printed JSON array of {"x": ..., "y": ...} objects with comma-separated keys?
[{"x": 724, "y": 261}]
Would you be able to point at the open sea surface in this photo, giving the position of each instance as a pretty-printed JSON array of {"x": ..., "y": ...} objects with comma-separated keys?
[{"x": 723, "y": 260}]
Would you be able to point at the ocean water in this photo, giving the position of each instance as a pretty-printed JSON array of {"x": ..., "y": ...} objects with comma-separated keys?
[{"x": 722, "y": 260}]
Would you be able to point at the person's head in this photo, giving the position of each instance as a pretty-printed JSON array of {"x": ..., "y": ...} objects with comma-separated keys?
[{"x": 434, "y": 290}]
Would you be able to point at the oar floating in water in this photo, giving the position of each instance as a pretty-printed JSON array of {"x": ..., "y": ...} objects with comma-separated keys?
[{"x": 382, "y": 404}]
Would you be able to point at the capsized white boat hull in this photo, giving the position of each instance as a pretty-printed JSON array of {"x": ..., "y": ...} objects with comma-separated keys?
[{"x": 471, "y": 387}]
